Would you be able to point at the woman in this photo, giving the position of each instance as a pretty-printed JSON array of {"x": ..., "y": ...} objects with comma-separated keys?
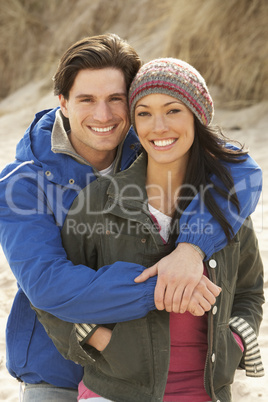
[{"x": 167, "y": 356}]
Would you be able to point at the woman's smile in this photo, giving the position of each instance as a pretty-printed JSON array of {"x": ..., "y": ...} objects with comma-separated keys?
[
  {"x": 164, "y": 144},
  {"x": 165, "y": 127}
]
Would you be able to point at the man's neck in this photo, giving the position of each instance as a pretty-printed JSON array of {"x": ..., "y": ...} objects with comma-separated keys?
[
  {"x": 61, "y": 144},
  {"x": 99, "y": 159}
]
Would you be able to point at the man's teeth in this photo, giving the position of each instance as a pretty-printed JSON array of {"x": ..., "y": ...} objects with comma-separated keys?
[
  {"x": 163, "y": 143},
  {"x": 103, "y": 129}
]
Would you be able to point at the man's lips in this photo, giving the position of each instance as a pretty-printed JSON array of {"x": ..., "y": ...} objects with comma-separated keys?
[{"x": 102, "y": 129}]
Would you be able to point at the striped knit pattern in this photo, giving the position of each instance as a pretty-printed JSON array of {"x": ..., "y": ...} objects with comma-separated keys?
[
  {"x": 252, "y": 357},
  {"x": 175, "y": 78},
  {"x": 83, "y": 330}
]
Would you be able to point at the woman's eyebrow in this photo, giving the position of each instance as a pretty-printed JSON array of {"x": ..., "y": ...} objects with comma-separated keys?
[{"x": 166, "y": 104}]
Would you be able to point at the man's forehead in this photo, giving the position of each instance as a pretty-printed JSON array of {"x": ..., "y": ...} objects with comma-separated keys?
[{"x": 103, "y": 82}]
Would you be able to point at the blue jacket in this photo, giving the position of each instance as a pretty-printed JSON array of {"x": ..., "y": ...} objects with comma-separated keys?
[{"x": 36, "y": 192}]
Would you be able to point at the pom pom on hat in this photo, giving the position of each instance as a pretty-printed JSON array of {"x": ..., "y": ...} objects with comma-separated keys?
[{"x": 175, "y": 78}]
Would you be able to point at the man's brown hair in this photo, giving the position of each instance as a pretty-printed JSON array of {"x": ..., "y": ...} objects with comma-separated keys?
[{"x": 95, "y": 52}]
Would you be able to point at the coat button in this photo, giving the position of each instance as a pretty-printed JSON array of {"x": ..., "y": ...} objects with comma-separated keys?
[
  {"x": 47, "y": 173},
  {"x": 214, "y": 310},
  {"x": 108, "y": 232},
  {"x": 143, "y": 240},
  {"x": 212, "y": 263},
  {"x": 71, "y": 181},
  {"x": 213, "y": 357}
]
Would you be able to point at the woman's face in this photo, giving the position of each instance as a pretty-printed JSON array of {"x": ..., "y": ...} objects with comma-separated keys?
[{"x": 166, "y": 128}]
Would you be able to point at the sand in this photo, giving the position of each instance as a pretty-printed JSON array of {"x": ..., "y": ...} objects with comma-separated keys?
[{"x": 249, "y": 125}]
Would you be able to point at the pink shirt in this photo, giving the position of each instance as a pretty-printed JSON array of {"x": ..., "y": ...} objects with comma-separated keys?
[{"x": 188, "y": 350}]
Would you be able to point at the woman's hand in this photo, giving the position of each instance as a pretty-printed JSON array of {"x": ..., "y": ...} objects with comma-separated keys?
[
  {"x": 100, "y": 339},
  {"x": 203, "y": 297}
]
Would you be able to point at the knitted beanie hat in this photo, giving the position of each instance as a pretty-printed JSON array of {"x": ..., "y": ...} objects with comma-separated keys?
[{"x": 175, "y": 78}]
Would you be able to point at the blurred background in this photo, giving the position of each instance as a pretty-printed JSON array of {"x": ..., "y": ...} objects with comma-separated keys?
[{"x": 226, "y": 40}]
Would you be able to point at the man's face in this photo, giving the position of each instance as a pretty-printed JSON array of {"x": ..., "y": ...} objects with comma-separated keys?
[{"x": 97, "y": 110}]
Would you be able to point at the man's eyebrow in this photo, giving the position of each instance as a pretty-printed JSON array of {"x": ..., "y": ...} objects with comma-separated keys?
[
  {"x": 119, "y": 94},
  {"x": 84, "y": 96},
  {"x": 79, "y": 96}
]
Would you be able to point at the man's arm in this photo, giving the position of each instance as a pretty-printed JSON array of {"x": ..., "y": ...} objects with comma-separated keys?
[
  {"x": 99, "y": 336},
  {"x": 32, "y": 244},
  {"x": 197, "y": 226},
  {"x": 180, "y": 272}
]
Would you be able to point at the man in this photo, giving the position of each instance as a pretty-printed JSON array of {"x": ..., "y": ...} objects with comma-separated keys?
[{"x": 61, "y": 152}]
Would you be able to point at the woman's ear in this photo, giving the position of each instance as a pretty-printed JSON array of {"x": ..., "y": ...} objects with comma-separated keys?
[{"x": 63, "y": 105}]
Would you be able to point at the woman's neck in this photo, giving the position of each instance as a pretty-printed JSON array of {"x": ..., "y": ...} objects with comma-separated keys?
[{"x": 163, "y": 186}]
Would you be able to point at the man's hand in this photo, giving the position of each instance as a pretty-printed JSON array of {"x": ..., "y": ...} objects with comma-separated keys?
[
  {"x": 178, "y": 275},
  {"x": 100, "y": 339}
]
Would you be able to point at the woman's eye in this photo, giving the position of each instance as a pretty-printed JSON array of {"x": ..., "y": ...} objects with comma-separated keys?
[
  {"x": 172, "y": 111},
  {"x": 143, "y": 114}
]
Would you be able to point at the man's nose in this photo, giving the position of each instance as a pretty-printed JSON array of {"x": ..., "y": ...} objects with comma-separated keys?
[{"x": 102, "y": 112}]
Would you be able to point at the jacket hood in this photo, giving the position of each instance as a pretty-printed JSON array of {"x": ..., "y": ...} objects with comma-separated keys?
[
  {"x": 36, "y": 143},
  {"x": 35, "y": 148}
]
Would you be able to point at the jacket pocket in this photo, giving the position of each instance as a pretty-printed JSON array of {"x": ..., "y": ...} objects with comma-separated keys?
[
  {"x": 128, "y": 355},
  {"x": 230, "y": 260},
  {"x": 228, "y": 358},
  {"x": 19, "y": 331}
]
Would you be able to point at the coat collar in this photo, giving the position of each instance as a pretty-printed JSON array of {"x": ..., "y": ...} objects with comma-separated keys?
[
  {"x": 42, "y": 145},
  {"x": 130, "y": 184}
]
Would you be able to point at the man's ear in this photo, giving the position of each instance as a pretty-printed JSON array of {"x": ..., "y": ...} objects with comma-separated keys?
[{"x": 63, "y": 105}]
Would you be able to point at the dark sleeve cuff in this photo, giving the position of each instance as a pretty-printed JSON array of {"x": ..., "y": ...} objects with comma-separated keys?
[{"x": 84, "y": 332}]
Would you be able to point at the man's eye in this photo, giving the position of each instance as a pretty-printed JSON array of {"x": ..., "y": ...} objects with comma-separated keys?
[{"x": 116, "y": 99}]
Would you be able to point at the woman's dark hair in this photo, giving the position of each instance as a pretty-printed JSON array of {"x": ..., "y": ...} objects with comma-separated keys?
[{"x": 207, "y": 173}]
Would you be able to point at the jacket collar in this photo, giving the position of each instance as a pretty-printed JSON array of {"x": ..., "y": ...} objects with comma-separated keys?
[
  {"x": 60, "y": 143},
  {"x": 50, "y": 155},
  {"x": 127, "y": 197},
  {"x": 129, "y": 186}
]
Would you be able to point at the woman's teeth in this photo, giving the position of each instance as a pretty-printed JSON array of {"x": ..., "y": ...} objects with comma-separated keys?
[{"x": 163, "y": 143}]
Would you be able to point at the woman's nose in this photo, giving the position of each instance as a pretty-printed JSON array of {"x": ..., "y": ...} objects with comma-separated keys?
[{"x": 160, "y": 124}]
